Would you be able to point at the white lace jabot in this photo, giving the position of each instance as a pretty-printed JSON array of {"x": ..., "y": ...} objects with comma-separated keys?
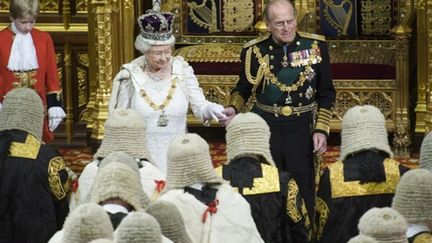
[{"x": 23, "y": 52}]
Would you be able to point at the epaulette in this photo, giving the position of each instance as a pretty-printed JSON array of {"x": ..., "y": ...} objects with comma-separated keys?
[
  {"x": 256, "y": 40},
  {"x": 311, "y": 36}
]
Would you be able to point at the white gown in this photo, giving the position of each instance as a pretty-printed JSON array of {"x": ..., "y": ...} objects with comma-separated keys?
[{"x": 126, "y": 94}]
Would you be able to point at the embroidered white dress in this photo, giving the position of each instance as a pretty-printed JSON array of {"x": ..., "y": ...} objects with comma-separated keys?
[{"x": 126, "y": 93}]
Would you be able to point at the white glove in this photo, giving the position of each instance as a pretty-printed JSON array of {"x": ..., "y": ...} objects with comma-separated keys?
[
  {"x": 123, "y": 74},
  {"x": 213, "y": 111},
  {"x": 55, "y": 115}
]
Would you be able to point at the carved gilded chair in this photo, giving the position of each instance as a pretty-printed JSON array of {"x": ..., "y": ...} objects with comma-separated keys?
[{"x": 368, "y": 42}]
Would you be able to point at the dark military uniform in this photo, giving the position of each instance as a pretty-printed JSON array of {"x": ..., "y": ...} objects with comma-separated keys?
[
  {"x": 348, "y": 189},
  {"x": 34, "y": 187},
  {"x": 276, "y": 204},
  {"x": 285, "y": 86}
]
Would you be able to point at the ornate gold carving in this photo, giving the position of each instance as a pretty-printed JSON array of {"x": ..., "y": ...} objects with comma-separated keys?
[
  {"x": 423, "y": 62},
  {"x": 376, "y": 17},
  {"x": 341, "y": 188},
  {"x": 292, "y": 207},
  {"x": 69, "y": 121},
  {"x": 323, "y": 212},
  {"x": 362, "y": 51},
  {"x": 338, "y": 15},
  {"x": 403, "y": 132},
  {"x": 215, "y": 52},
  {"x": 55, "y": 165},
  {"x": 215, "y": 94},
  {"x": 29, "y": 149},
  {"x": 238, "y": 15},
  {"x": 203, "y": 15},
  {"x": 83, "y": 60},
  {"x": 66, "y": 13},
  {"x": 402, "y": 139},
  {"x": 102, "y": 57},
  {"x": 48, "y": 6},
  {"x": 81, "y": 6}
]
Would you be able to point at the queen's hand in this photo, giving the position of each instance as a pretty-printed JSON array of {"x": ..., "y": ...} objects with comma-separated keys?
[{"x": 213, "y": 111}]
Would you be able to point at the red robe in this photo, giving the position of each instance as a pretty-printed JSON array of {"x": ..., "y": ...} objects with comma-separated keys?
[{"x": 47, "y": 84}]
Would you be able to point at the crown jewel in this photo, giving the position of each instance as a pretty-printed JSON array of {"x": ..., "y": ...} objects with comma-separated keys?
[{"x": 156, "y": 26}]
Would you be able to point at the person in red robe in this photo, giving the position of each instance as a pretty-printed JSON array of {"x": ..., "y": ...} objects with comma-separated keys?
[{"x": 27, "y": 59}]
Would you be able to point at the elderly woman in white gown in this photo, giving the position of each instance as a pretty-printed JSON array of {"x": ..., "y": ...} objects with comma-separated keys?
[{"x": 160, "y": 87}]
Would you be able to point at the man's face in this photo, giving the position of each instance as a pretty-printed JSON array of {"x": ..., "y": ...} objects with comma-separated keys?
[{"x": 282, "y": 22}]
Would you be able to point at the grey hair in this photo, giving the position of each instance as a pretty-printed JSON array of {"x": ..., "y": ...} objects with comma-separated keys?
[
  {"x": 143, "y": 46},
  {"x": 266, "y": 14}
]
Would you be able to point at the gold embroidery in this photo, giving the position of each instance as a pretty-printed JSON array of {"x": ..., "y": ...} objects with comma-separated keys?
[
  {"x": 55, "y": 165},
  {"x": 323, "y": 212},
  {"x": 26, "y": 79},
  {"x": 292, "y": 208},
  {"x": 324, "y": 118},
  {"x": 268, "y": 183},
  {"x": 237, "y": 101},
  {"x": 425, "y": 237},
  {"x": 341, "y": 188},
  {"x": 29, "y": 149},
  {"x": 307, "y": 222}
]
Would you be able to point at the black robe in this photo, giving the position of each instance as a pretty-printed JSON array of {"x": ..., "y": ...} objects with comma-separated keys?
[
  {"x": 350, "y": 188},
  {"x": 34, "y": 188},
  {"x": 276, "y": 204}
]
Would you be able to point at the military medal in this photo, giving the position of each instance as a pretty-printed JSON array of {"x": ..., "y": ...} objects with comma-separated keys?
[
  {"x": 163, "y": 119},
  {"x": 288, "y": 99},
  {"x": 285, "y": 61}
]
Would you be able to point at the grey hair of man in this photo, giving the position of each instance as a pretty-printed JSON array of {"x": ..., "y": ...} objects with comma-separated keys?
[
  {"x": 266, "y": 13},
  {"x": 142, "y": 46}
]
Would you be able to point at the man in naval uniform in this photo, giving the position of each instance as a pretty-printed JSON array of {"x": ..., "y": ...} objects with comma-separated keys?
[{"x": 285, "y": 78}]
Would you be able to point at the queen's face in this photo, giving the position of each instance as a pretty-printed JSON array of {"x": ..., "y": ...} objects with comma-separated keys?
[{"x": 159, "y": 56}]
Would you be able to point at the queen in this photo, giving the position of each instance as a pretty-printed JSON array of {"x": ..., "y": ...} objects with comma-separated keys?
[{"x": 160, "y": 86}]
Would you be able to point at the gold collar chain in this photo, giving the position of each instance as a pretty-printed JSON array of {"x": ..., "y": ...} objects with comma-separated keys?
[
  {"x": 274, "y": 80},
  {"x": 167, "y": 100}
]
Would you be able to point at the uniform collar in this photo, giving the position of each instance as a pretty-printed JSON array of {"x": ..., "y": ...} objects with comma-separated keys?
[{"x": 278, "y": 44}]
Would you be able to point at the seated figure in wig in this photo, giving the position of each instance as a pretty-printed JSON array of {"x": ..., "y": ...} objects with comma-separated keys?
[
  {"x": 365, "y": 176},
  {"x": 212, "y": 210},
  {"x": 124, "y": 140},
  {"x": 277, "y": 206}
]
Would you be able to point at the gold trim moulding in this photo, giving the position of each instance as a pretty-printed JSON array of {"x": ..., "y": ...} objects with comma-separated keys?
[
  {"x": 56, "y": 27},
  {"x": 378, "y": 84}
]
